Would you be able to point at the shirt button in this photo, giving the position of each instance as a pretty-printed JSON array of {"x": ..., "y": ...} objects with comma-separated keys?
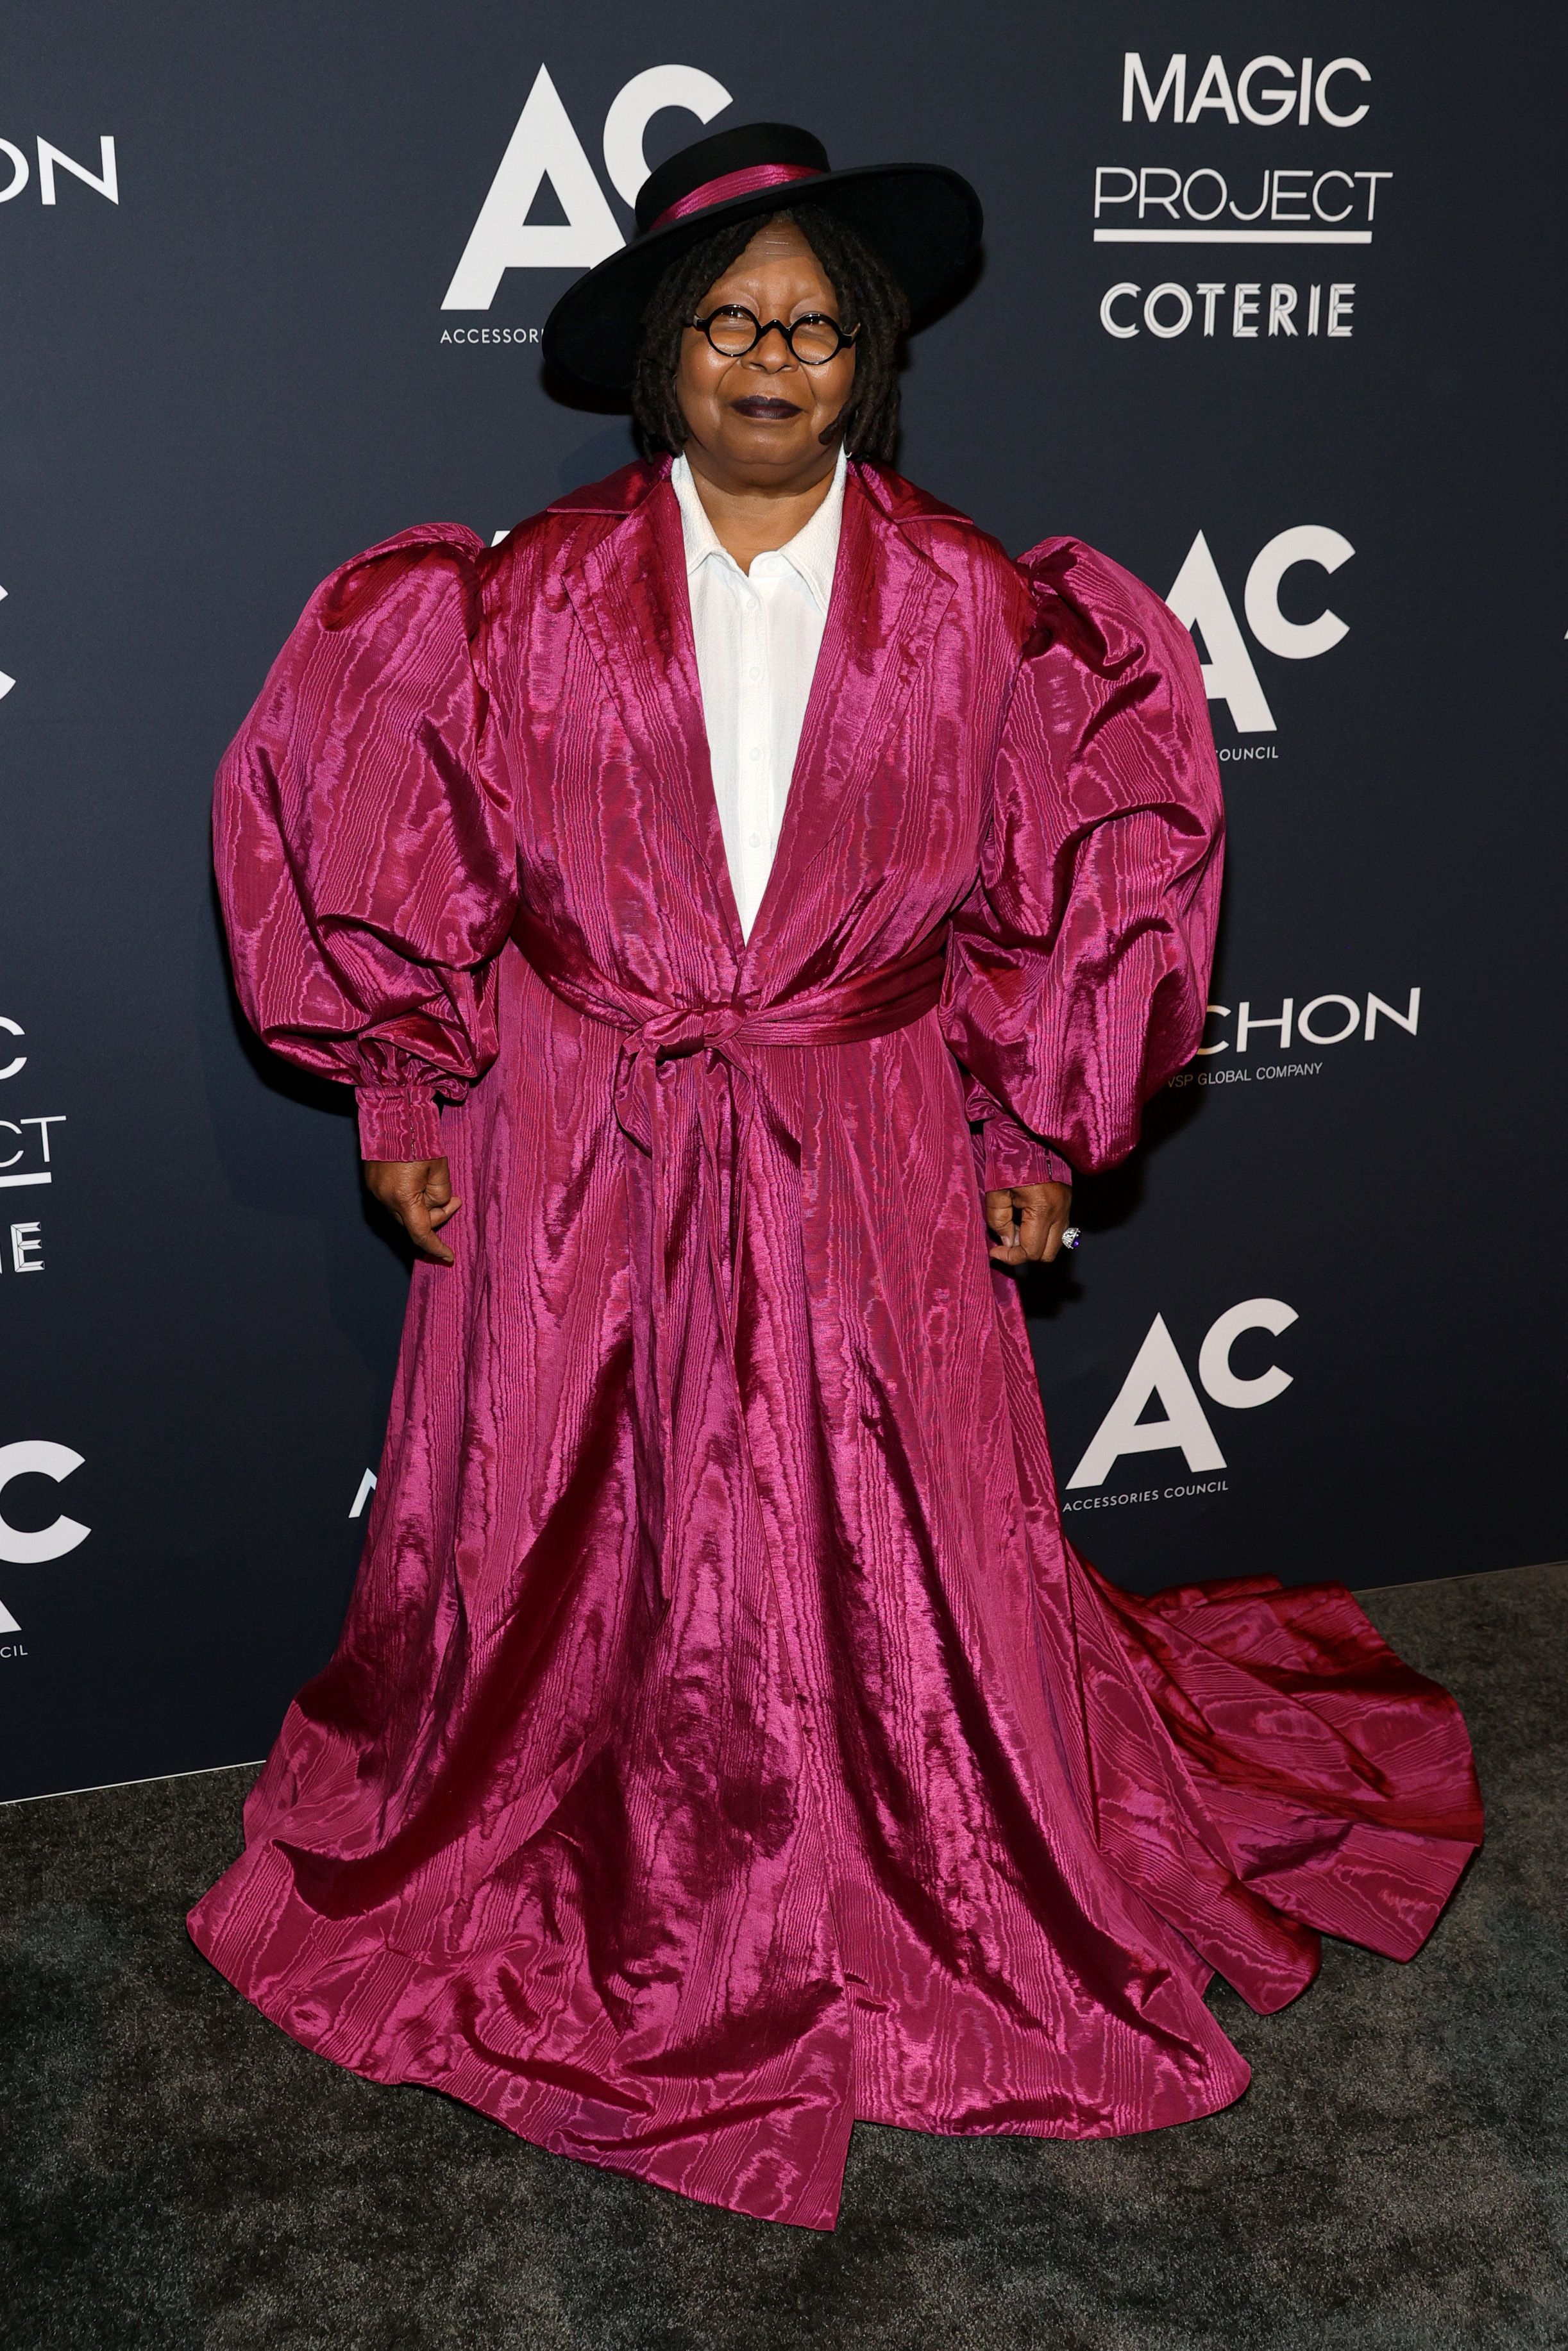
[
  {"x": 754, "y": 671},
  {"x": 754, "y": 840},
  {"x": 754, "y": 753}
]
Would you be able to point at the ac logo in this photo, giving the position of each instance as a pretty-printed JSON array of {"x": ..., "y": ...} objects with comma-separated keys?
[
  {"x": 35, "y": 1458},
  {"x": 544, "y": 146},
  {"x": 1158, "y": 1370},
  {"x": 1198, "y": 600}
]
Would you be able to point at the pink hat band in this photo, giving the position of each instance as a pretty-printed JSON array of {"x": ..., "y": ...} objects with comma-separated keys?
[{"x": 730, "y": 184}]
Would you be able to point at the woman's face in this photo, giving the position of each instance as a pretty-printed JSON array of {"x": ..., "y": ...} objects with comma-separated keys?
[{"x": 759, "y": 422}]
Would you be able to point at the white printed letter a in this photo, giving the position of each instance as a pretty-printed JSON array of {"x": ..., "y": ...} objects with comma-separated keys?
[
  {"x": 1197, "y": 596},
  {"x": 1157, "y": 1371},
  {"x": 543, "y": 146}
]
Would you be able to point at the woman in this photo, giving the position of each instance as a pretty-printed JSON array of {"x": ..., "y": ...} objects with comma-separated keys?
[{"x": 760, "y": 867}]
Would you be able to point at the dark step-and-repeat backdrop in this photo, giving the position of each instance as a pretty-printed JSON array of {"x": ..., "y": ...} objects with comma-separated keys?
[{"x": 1272, "y": 311}]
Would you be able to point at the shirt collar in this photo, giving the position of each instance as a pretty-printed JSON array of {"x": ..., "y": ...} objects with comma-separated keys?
[{"x": 811, "y": 554}]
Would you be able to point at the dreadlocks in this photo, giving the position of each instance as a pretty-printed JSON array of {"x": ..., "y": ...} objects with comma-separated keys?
[{"x": 869, "y": 297}]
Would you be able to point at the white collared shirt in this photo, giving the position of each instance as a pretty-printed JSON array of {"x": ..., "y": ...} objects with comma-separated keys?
[{"x": 758, "y": 635}]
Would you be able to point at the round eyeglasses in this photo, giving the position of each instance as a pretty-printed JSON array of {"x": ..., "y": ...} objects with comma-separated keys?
[{"x": 813, "y": 341}]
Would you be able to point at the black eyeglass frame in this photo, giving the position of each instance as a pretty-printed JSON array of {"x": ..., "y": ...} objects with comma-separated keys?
[{"x": 764, "y": 327}]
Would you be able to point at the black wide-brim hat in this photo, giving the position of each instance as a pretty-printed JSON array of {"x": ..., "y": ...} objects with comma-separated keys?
[{"x": 923, "y": 221}]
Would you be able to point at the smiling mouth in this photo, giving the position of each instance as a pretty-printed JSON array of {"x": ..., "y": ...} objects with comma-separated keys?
[{"x": 770, "y": 411}]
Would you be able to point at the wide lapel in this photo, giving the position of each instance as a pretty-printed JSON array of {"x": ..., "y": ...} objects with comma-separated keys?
[
  {"x": 629, "y": 595},
  {"x": 886, "y": 605}
]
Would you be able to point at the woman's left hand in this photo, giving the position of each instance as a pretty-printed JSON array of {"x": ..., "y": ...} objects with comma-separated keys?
[{"x": 1028, "y": 1222}]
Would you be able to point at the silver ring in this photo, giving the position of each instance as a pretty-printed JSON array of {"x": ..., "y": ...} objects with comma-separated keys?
[{"x": 1071, "y": 1236}]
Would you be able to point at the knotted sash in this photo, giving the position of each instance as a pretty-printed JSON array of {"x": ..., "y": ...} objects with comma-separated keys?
[{"x": 688, "y": 1088}]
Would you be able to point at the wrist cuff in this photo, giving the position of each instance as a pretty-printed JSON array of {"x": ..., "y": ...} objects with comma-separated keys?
[
  {"x": 1011, "y": 1156},
  {"x": 398, "y": 1122}
]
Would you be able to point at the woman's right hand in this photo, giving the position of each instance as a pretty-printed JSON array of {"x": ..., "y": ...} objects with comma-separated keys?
[{"x": 418, "y": 1192}]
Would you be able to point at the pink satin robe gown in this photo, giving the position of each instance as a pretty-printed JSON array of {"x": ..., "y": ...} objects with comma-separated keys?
[{"x": 723, "y": 1743}]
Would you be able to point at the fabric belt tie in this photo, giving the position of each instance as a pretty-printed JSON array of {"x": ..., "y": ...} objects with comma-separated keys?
[
  {"x": 846, "y": 1013},
  {"x": 689, "y": 1088}
]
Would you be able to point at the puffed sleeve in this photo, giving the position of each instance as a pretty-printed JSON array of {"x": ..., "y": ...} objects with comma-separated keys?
[
  {"x": 364, "y": 843},
  {"x": 1078, "y": 969}
]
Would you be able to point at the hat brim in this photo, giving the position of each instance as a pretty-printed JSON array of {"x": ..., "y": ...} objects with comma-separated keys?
[{"x": 923, "y": 220}]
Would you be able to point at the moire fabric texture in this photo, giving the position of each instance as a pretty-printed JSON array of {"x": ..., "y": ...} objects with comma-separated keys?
[{"x": 723, "y": 1743}]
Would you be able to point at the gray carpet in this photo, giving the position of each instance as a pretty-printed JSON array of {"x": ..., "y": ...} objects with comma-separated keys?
[{"x": 176, "y": 2173}]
